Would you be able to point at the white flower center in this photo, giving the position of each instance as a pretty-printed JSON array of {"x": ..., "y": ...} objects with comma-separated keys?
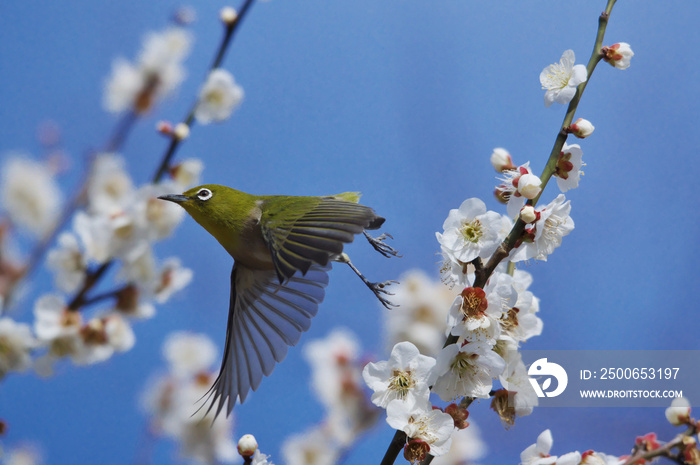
[
  {"x": 472, "y": 231},
  {"x": 557, "y": 77},
  {"x": 401, "y": 382}
]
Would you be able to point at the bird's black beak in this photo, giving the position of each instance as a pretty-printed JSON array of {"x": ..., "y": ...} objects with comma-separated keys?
[{"x": 177, "y": 198}]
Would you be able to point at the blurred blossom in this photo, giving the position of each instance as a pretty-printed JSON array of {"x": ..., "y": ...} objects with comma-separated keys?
[
  {"x": 171, "y": 278},
  {"x": 568, "y": 170},
  {"x": 336, "y": 377},
  {"x": 679, "y": 411},
  {"x": 467, "y": 447},
  {"x": 16, "y": 343},
  {"x": 186, "y": 174},
  {"x": 560, "y": 80},
  {"x": 68, "y": 263},
  {"x": 25, "y": 454},
  {"x": 157, "y": 72},
  {"x": 110, "y": 187},
  {"x": 219, "y": 96},
  {"x": 538, "y": 453},
  {"x": 424, "y": 305},
  {"x": 314, "y": 447},
  {"x": 189, "y": 353},
  {"x": 171, "y": 401},
  {"x": 30, "y": 194}
]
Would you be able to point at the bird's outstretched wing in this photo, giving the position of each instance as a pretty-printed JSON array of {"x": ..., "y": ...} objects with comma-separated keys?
[
  {"x": 301, "y": 231},
  {"x": 264, "y": 319}
]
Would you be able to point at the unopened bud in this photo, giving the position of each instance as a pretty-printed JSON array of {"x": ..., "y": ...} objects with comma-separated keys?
[
  {"x": 529, "y": 186},
  {"x": 164, "y": 127},
  {"x": 528, "y": 214},
  {"x": 181, "y": 131},
  {"x": 416, "y": 450},
  {"x": 591, "y": 458},
  {"x": 618, "y": 55},
  {"x": 247, "y": 445},
  {"x": 459, "y": 415},
  {"x": 679, "y": 411},
  {"x": 581, "y": 128},
  {"x": 503, "y": 404},
  {"x": 228, "y": 15},
  {"x": 501, "y": 160}
]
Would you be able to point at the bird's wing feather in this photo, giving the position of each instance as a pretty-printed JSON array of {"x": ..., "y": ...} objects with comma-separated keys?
[
  {"x": 301, "y": 231},
  {"x": 264, "y": 319}
]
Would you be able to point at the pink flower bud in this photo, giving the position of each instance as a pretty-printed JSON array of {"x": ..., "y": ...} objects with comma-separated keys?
[
  {"x": 581, "y": 128},
  {"x": 528, "y": 214},
  {"x": 618, "y": 55},
  {"x": 247, "y": 445},
  {"x": 501, "y": 160},
  {"x": 164, "y": 127},
  {"x": 529, "y": 186}
]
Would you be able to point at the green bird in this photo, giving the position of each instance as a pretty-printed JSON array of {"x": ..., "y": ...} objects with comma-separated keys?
[{"x": 282, "y": 247}]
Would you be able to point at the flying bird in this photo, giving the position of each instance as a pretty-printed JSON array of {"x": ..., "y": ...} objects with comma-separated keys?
[{"x": 282, "y": 247}]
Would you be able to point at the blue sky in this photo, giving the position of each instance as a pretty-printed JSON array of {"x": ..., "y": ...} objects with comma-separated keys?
[{"x": 403, "y": 100}]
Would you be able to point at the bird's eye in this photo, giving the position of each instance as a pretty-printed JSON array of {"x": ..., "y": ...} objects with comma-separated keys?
[{"x": 204, "y": 194}]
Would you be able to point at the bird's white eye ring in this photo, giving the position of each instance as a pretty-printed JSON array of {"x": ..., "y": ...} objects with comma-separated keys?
[{"x": 204, "y": 194}]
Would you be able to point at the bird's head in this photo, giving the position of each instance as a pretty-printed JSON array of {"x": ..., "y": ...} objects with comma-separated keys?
[{"x": 211, "y": 205}]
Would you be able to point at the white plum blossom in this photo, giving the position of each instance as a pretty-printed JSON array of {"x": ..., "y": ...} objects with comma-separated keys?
[
  {"x": 468, "y": 370},
  {"x": 159, "y": 217},
  {"x": 29, "y": 194},
  {"x": 470, "y": 232},
  {"x": 679, "y": 411},
  {"x": 189, "y": 353},
  {"x": 515, "y": 380},
  {"x": 560, "y": 80},
  {"x": 546, "y": 233},
  {"x": 156, "y": 73},
  {"x": 521, "y": 322},
  {"x": 68, "y": 263},
  {"x": 420, "y": 421},
  {"x": 476, "y": 312},
  {"x": 568, "y": 171},
  {"x": 618, "y": 55},
  {"x": 538, "y": 453},
  {"x": 219, "y": 96},
  {"x": 16, "y": 343},
  {"x": 424, "y": 304},
  {"x": 407, "y": 376}
]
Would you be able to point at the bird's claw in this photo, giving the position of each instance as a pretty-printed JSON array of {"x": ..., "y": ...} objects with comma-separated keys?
[
  {"x": 380, "y": 246},
  {"x": 380, "y": 291}
]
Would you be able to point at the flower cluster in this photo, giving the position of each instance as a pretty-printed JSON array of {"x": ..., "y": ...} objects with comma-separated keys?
[
  {"x": 171, "y": 401},
  {"x": 157, "y": 72},
  {"x": 336, "y": 379}
]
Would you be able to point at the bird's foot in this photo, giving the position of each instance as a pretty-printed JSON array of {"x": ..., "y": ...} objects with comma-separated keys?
[
  {"x": 380, "y": 246},
  {"x": 380, "y": 291}
]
